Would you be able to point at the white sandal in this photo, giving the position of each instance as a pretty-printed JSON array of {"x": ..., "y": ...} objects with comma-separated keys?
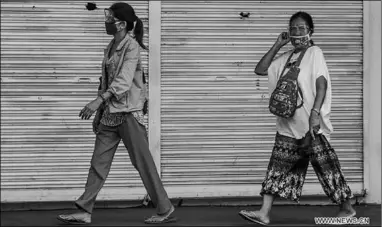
[
  {"x": 252, "y": 216},
  {"x": 159, "y": 219}
]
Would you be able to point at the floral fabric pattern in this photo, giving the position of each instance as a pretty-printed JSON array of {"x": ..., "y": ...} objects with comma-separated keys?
[{"x": 288, "y": 166}]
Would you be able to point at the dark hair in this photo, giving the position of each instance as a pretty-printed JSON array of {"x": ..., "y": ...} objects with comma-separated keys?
[
  {"x": 306, "y": 17},
  {"x": 138, "y": 33},
  {"x": 125, "y": 12}
]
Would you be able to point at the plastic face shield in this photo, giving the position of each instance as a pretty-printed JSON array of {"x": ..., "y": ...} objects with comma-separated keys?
[{"x": 109, "y": 16}]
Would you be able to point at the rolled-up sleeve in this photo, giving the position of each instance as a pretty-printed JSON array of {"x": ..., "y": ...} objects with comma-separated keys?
[{"x": 123, "y": 80}]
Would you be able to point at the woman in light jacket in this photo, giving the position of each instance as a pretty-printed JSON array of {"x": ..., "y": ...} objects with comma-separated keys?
[{"x": 120, "y": 116}]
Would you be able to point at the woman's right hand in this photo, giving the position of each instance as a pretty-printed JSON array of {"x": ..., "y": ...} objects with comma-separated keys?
[
  {"x": 266, "y": 60},
  {"x": 283, "y": 39},
  {"x": 97, "y": 121}
]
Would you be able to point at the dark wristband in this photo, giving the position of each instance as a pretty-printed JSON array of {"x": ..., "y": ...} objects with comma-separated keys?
[
  {"x": 102, "y": 97},
  {"x": 315, "y": 110}
]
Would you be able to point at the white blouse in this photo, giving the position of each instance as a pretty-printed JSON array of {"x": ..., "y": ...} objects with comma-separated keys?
[{"x": 312, "y": 66}]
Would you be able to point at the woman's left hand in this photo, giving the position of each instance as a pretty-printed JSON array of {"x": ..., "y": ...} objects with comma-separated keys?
[
  {"x": 314, "y": 123},
  {"x": 90, "y": 108}
]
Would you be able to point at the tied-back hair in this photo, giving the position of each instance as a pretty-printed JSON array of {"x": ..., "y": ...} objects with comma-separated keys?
[
  {"x": 139, "y": 33},
  {"x": 307, "y": 18},
  {"x": 125, "y": 12}
]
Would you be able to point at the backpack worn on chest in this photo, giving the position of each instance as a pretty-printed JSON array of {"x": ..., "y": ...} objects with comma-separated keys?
[{"x": 283, "y": 101}]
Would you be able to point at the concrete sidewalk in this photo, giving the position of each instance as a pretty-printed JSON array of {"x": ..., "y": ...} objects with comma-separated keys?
[{"x": 282, "y": 215}]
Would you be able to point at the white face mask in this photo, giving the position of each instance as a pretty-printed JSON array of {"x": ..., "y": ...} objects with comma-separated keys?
[{"x": 303, "y": 40}]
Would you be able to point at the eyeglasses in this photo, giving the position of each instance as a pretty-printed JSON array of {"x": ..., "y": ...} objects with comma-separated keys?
[
  {"x": 300, "y": 28},
  {"x": 109, "y": 17}
]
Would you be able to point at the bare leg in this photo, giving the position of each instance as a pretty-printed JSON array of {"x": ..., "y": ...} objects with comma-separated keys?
[
  {"x": 260, "y": 216},
  {"x": 266, "y": 207},
  {"x": 346, "y": 209}
]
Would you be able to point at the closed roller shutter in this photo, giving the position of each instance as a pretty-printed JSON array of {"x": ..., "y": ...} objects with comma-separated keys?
[
  {"x": 217, "y": 132},
  {"x": 51, "y": 54}
]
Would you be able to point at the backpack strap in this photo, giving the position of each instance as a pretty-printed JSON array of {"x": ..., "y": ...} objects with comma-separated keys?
[
  {"x": 300, "y": 57},
  {"x": 285, "y": 66},
  {"x": 297, "y": 65},
  {"x": 302, "y": 97},
  {"x": 298, "y": 60}
]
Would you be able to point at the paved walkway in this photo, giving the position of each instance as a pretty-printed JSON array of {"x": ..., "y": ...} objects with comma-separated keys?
[{"x": 282, "y": 215}]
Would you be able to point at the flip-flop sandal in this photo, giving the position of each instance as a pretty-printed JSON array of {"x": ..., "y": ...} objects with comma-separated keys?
[
  {"x": 352, "y": 215},
  {"x": 246, "y": 215},
  {"x": 159, "y": 219},
  {"x": 69, "y": 219}
]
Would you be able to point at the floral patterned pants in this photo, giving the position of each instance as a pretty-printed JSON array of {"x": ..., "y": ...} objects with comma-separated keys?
[{"x": 289, "y": 163}]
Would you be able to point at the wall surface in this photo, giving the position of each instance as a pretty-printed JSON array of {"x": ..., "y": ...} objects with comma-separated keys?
[{"x": 372, "y": 100}]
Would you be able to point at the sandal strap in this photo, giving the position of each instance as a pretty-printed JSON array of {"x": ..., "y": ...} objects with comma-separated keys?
[
  {"x": 252, "y": 214},
  {"x": 72, "y": 218},
  {"x": 161, "y": 217},
  {"x": 156, "y": 219},
  {"x": 168, "y": 213}
]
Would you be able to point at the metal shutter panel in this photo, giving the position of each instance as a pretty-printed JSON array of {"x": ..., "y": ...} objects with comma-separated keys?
[
  {"x": 51, "y": 54},
  {"x": 217, "y": 132}
]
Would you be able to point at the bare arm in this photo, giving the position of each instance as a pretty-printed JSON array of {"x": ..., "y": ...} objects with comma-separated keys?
[
  {"x": 321, "y": 86},
  {"x": 314, "y": 119},
  {"x": 262, "y": 67}
]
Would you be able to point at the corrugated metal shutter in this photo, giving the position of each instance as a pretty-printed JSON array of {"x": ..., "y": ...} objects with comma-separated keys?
[
  {"x": 216, "y": 127},
  {"x": 51, "y": 54}
]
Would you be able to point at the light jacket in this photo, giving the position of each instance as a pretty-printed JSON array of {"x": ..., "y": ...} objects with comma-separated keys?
[{"x": 129, "y": 91}]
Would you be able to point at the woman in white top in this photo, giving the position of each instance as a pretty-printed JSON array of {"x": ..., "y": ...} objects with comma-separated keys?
[{"x": 288, "y": 164}]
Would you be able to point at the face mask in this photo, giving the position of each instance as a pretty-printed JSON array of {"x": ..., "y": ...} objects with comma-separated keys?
[
  {"x": 111, "y": 28},
  {"x": 300, "y": 40}
]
